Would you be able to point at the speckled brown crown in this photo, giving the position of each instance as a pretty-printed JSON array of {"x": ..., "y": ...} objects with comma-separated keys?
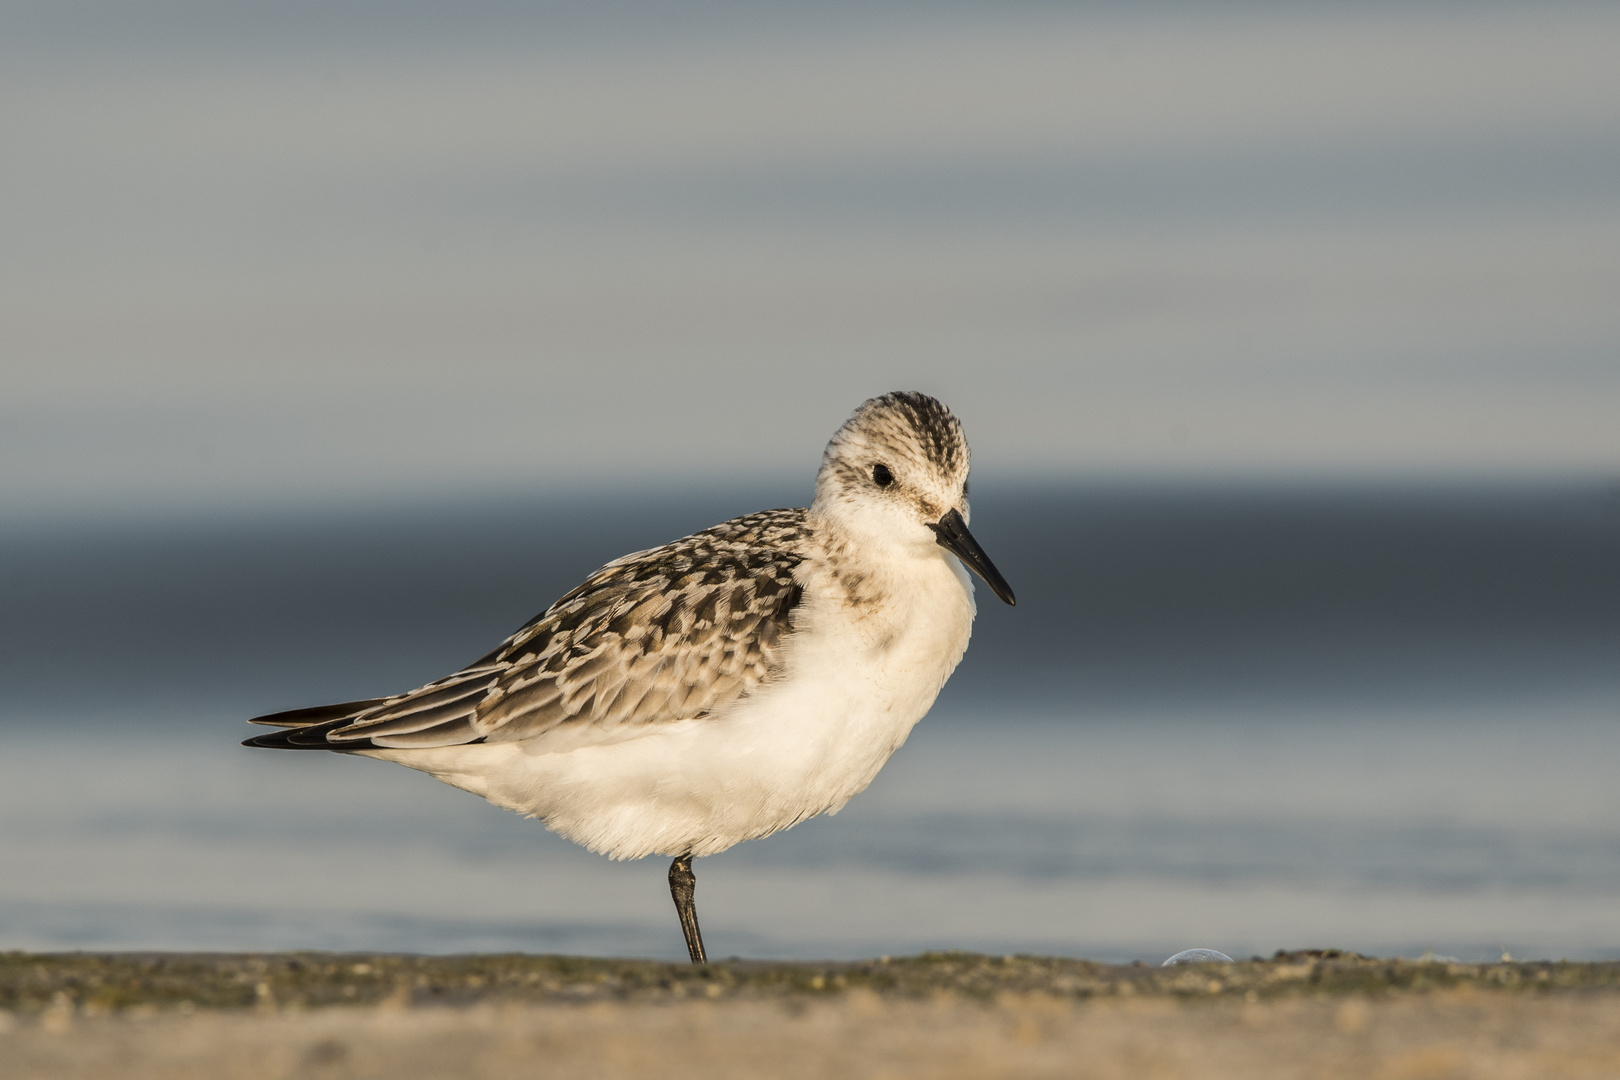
[{"x": 910, "y": 423}]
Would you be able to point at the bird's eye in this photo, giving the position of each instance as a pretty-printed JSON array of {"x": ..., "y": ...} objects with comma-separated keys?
[{"x": 881, "y": 476}]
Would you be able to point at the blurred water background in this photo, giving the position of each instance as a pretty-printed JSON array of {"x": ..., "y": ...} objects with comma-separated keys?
[
  {"x": 1367, "y": 717},
  {"x": 338, "y": 339}
]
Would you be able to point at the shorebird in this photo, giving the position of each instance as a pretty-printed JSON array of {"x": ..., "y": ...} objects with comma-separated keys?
[{"x": 722, "y": 687}]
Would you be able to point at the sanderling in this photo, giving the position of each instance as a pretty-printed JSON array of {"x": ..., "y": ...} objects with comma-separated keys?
[{"x": 722, "y": 687}]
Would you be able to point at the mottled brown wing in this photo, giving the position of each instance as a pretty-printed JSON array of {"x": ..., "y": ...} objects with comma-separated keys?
[{"x": 666, "y": 634}]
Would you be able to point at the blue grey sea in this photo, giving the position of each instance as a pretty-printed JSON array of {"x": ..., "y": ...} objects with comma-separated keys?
[{"x": 1243, "y": 717}]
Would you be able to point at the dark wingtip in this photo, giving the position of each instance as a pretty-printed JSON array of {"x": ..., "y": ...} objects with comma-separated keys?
[
  {"x": 319, "y": 714},
  {"x": 276, "y": 740},
  {"x": 309, "y": 737}
]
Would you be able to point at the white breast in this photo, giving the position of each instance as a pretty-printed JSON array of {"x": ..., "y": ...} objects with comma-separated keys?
[{"x": 857, "y": 681}]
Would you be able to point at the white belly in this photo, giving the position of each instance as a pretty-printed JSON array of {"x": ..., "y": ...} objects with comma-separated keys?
[{"x": 800, "y": 746}]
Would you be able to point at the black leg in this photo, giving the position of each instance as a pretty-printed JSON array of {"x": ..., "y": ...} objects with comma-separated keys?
[{"x": 683, "y": 886}]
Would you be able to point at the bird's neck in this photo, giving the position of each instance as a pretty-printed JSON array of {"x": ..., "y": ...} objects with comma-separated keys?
[{"x": 870, "y": 570}]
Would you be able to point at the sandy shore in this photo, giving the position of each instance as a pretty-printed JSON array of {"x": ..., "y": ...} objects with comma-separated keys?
[{"x": 947, "y": 1016}]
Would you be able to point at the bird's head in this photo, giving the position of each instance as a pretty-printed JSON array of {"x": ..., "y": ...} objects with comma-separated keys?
[{"x": 897, "y": 473}]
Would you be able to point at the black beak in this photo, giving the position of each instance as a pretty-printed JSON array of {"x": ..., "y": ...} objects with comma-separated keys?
[{"x": 952, "y": 534}]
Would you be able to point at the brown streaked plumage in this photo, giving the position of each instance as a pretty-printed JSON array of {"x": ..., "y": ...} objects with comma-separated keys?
[{"x": 657, "y": 636}]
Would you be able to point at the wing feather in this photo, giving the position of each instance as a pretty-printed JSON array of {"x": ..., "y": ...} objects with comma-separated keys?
[
  {"x": 320, "y": 714},
  {"x": 414, "y": 720},
  {"x": 454, "y": 733},
  {"x": 665, "y": 634}
]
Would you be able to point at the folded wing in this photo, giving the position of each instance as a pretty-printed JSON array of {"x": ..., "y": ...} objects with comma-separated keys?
[{"x": 668, "y": 634}]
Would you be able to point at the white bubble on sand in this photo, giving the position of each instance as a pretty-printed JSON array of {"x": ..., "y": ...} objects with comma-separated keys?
[{"x": 1197, "y": 956}]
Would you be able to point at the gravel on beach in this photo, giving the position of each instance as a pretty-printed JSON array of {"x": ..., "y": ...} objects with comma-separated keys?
[{"x": 1325, "y": 1014}]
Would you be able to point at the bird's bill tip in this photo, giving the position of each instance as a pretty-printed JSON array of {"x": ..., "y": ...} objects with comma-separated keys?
[{"x": 951, "y": 533}]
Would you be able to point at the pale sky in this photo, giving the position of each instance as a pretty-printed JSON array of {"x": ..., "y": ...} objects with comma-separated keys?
[{"x": 290, "y": 252}]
